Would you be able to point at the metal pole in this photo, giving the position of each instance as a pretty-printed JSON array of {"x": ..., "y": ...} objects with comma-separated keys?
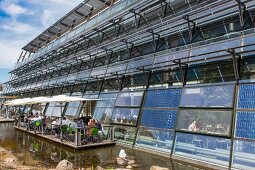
[{"x": 61, "y": 133}]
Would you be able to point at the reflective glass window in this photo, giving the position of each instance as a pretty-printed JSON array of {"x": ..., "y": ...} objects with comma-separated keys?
[
  {"x": 103, "y": 114},
  {"x": 125, "y": 116},
  {"x": 50, "y": 109},
  {"x": 154, "y": 139},
  {"x": 243, "y": 155},
  {"x": 249, "y": 39},
  {"x": 205, "y": 121},
  {"x": 72, "y": 108},
  {"x": 211, "y": 73},
  {"x": 165, "y": 77},
  {"x": 124, "y": 134},
  {"x": 204, "y": 148},
  {"x": 118, "y": 7},
  {"x": 247, "y": 68},
  {"x": 245, "y": 125},
  {"x": 209, "y": 96},
  {"x": 104, "y": 107},
  {"x": 129, "y": 99},
  {"x": 246, "y": 97},
  {"x": 163, "y": 98},
  {"x": 159, "y": 118}
]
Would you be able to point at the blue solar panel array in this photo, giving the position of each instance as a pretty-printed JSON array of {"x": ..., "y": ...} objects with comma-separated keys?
[
  {"x": 246, "y": 99},
  {"x": 159, "y": 118},
  {"x": 163, "y": 98},
  {"x": 245, "y": 125}
]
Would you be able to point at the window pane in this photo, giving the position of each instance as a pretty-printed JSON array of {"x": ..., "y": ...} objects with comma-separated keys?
[
  {"x": 103, "y": 114},
  {"x": 204, "y": 148},
  {"x": 57, "y": 111},
  {"x": 246, "y": 97},
  {"x": 211, "y": 73},
  {"x": 248, "y": 69},
  {"x": 163, "y": 98},
  {"x": 72, "y": 108},
  {"x": 129, "y": 99},
  {"x": 50, "y": 109},
  {"x": 108, "y": 100},
  {"x": 245, "y": 125},
  {"x": 158, "y": 140},
  {"x": 205, "y": 121},
  {"x": 210, "y": 96},
  {"x": 159, "y": 118},
  {"x": 124, "y": 134},
  {"x": 125, "y": 116},
  {"x": 244, "y": 154}
]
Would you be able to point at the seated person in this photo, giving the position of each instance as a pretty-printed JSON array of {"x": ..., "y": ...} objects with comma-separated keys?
[
  {"x": 66, "y": 121},
  {"x": 193, "y": 126},
  {"x": 98, "y": 125},
  {"x": 91, "y": 125},
  {"x": 80, "y": 123}
]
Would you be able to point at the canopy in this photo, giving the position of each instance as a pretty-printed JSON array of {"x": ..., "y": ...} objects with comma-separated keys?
[{"x": 59, "y": 98}]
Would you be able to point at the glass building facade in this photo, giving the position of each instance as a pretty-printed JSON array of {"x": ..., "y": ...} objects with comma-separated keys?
[{"x": 173, "y": 77}]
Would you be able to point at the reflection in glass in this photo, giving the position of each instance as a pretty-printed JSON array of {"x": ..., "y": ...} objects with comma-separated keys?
[
  {"x": 129, "y": 99},
  {"x": 165, "y": 78},
  {"x": 205, "y": 121},
  {"x": 125, "y": 116},
  {"x": 159, "y": 118},
  {"x": 247, "y": 68},
  {"x": 159, "y": 140},
  {"x": 244, "y": 154},
  {"x": 103, "y": 114},
  {"x": 72, "y": 108},
  {"x": 211, "y": 73},
  {"x": 205, "y": 148},
  {"x": 104, "y": 107},
  {"x": 163, "y": 98},
  {"x": 245, "y": 125},
  {"x": 210, "y": 96},
  {"x": 124, "y": 134}
]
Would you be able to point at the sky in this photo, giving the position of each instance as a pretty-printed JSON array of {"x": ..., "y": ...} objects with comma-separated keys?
[{"x": 21, "y": 21}]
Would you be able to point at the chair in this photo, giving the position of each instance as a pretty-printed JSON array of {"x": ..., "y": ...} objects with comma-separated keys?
[
  {"x": 94, "y": 135},
  {"x": 38, "y": 124}
]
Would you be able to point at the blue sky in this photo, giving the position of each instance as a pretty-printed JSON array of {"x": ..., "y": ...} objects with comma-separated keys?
[{"x": 23, "y": 20}]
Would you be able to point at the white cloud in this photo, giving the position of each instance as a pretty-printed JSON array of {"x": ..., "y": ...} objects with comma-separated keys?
[
  {"x": 15, "y": 26},
  {"x": 47, "y": 18},
  {"x": 16, "y": 31},
  {"x": 14, "y": 10}
]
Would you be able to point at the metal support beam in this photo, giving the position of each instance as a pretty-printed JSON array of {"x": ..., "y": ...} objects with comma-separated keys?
[
  {"x": 109, "y": 53},
  {"x": 138, "y": 18},
  {"x": 103, "y": 34},
  {"x": 242, "y": 8},
  {"x": 183, "y": 72},
  {"x": 191, "y": 29},
  {"x": 129, "y": 50},
  {"x": 164, "y": 6},
  {"x": 20, "y": 56},
  {"x": 120, "y": 26},
  {"x": 235, "y": 57},
  {"x": 156, "y": 38}
]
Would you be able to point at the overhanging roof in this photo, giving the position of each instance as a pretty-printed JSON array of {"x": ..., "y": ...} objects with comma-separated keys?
[{"x": 83, "y": 11}]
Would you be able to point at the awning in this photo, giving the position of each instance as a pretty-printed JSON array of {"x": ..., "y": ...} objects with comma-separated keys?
[{"x": 37, "y": 100}]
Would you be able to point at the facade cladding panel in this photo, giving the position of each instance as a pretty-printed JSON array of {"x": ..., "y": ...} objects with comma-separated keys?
[{"x": 174, "y": 76}]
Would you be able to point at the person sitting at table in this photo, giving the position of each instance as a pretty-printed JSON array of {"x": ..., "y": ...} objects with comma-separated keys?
[
  {"x": 80, "y": 123},
  {"x": 193, "y": 126},
  {"x": 66, "y": 121},
  {"x": 91, "y": 125},
  {"x": 98, "y": 125}
]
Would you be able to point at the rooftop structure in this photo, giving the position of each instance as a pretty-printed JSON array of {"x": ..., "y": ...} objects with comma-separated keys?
[{"x": 175, "y": 76}]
